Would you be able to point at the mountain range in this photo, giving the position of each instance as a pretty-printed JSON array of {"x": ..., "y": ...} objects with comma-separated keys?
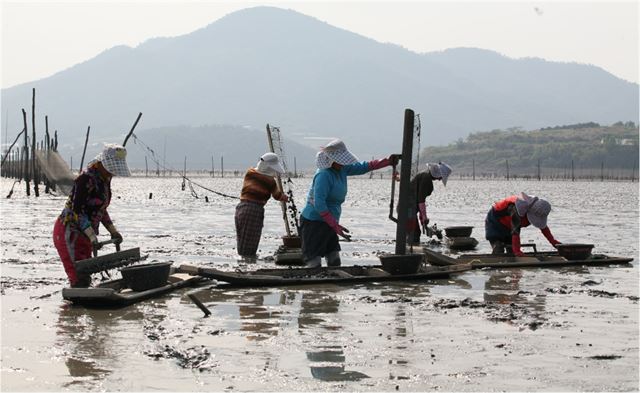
[{"x": 271, "y": 65}]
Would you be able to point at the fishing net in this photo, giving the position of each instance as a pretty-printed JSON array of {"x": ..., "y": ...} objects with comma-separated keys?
[
  {"x": 415, "y": 154},
  {"x": 56, "y": 170},
  {"x": 276, "y": 144}
]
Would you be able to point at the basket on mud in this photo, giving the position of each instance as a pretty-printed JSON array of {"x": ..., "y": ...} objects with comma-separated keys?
[
  {"x": 401, "y": 264},
  {"x": 292, "y": 241},
  {"x": 575, "y": 252},
  {"x": 143, "y": 277},
  {"x": 458, "y": 231}
]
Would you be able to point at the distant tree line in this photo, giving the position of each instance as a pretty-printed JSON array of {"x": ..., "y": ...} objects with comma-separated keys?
[{"x": 584, "y": 146}]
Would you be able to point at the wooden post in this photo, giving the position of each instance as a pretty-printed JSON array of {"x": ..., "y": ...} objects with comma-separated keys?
[
  {"x": 86, "y": 140},
  {"x": 184, "y": 173},
  {"x": 295, "y": 167},
  {"x": 26, "y": 153},
  {"x": 539, "y": 177},
  {"x": 221, "y": 166},
  {"x": 46, "y": 133},
  {"x": 474, "y": 169},
  {"x": 572, "y": 173},
  {"x": 55, "y": 140},
  {"x": 33, "y": 142},
  {"x": 405, "y": 178},
  {"x": 213, "y": 168},
  {"x": 132, "y": 128},
  {"x": 633, "y": 170},
  {"x": 146, "y": 167},
  {"x": 507, "y": 161}
]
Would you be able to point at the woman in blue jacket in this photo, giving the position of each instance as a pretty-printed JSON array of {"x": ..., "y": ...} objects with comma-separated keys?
[{"x": 319, "y": 220}]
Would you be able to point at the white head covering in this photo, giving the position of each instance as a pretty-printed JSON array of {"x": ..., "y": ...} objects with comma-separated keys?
[
  {"x": 269, "y": 164},
  {"x": 334, "y": 151},
  {"x": 536, "y": 209},
  {"x": 440, "y": 170},
  {"x": 113, "y": 159}
]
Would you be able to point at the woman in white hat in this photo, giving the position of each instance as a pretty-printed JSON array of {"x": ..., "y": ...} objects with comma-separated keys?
[
  {"x": 506, "y": 218},
  {"x": 420, "y": 188},
  {"x": 76, "y": 229},
  {"x": 319, "y": 220},
  {"x": 259, "y": 185}
]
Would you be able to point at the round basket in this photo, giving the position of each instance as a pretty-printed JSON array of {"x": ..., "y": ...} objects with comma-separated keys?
[
  {"x": 458, "y": 231},
  {"x": 143, "y": 277},
  {"x": 575, "y": 252},
  {"x": 401, "y": 264}
]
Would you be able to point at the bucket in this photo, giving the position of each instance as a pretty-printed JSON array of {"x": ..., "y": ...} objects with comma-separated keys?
[
  {"x": 574, "y": 252},
  {"x": 292, "y": 241},
  {"x": 458, "y": 231},
  {"x": 401, "y": 264},
  {"x": 143, "y": 277}
]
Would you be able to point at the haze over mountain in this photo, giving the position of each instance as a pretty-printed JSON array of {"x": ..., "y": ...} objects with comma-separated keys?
[{"x": 270, "y": 65}]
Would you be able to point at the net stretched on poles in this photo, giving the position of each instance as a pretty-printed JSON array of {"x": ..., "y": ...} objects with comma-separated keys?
[
  {"x": 415, "y": 159},
  {"x": 290, "y": 211}
]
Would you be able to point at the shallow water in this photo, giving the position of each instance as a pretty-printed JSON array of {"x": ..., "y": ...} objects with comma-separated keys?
[{"x": 571, "y": 328}]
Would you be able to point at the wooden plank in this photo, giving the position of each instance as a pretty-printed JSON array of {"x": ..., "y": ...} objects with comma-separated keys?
[{"x": 108, "y": 261}]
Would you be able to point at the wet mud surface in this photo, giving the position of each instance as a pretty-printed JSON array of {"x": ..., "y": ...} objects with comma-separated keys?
[{"x": 560, "y": 329}]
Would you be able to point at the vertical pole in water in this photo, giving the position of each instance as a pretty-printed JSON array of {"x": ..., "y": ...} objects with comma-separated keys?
[
  {"x": 221, "y": 166},
  {"x": 572, "y": 174},
  {"x": 474, "y": 169},
  {"x": 213, "y": 168},
  {"x": 633, "y": 170},
  {"x": 33, "y": 142},
  {"x": 84, "y": 150},
  {"x": 295, "y": 167},
  {"x": 405, "y": 174},
  {"x": 26, "y": 152},
  {"x": 146, "y": 167},
  {"x": 538, "y": 169},
  {"x": 507, "y": 161}
]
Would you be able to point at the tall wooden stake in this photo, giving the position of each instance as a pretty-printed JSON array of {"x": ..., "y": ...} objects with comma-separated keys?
[
  {"x": 26, "y": 152},
  {"x": 33, "y": 143},
  {"x": 283, "y": 205},
  {"x": 132, "y": 128},
  {"x": 86, "y": 140},
  {"x": 405, "y": 178}
]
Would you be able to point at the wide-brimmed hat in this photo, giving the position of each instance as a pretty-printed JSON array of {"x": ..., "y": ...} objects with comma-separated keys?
[
  {"x": 114, "y": 160},
  {"x": 536, "y": 209},
  {"x": 440, "y": 171},
  {"x": 269, "y": 164},
  {"x": 335, "y": 151}
]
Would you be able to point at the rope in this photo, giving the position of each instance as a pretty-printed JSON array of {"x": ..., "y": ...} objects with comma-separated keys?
[{"x": 137, "y": 140}]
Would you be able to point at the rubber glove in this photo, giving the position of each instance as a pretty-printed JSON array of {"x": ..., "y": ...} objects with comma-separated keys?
[
  {"x": 114, "y": 233},
  {"x": 385, "y": 162},
  {"x": 92, "y": 238},
  {"x": 547, "y": 233},
  {"x": 515, "y": 246},
  {"x": 331, "y": 221},
  {"x": 422, "y": 209}
]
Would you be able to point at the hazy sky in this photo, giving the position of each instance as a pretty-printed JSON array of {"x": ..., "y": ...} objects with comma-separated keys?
[{"x": 40, "y": 38}]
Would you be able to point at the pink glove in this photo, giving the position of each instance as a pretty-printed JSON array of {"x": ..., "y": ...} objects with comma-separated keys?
[
  {"x": 339, "y": 229},
  {"x": 422, "y": 207},
  {"x": 547, "y": 233},
  {"x": 379, "y": 164},
  {"x": 515, "y": 246}
]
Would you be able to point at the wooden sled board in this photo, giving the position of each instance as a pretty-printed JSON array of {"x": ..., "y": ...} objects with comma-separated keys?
[
  {"x": 546, "y": 259},
  {"x": 322, "y": 275},
  {"x": 112, "y": 294},
  {"x": 108, "y": 261}
]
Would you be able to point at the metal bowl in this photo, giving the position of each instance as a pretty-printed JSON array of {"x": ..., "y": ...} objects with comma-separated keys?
[
  {"x": 575, "y": 251},
  {"x": 401, "y": 264},
  {"x": 148, "y": 276},
  {"x": 458, "y": 231}
]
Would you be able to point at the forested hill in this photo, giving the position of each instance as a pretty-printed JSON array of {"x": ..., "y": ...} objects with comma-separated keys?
[{"x": 589, "y": 145}]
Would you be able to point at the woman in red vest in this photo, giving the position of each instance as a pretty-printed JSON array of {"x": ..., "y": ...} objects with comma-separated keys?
[{"x": 506, "y": 217}]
